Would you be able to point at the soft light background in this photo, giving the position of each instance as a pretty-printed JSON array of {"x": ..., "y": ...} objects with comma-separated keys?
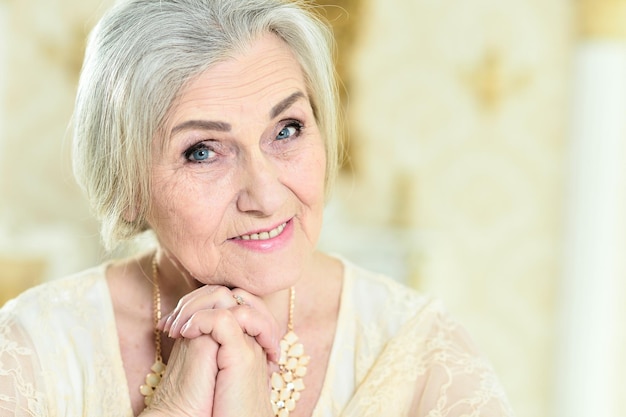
[{"x": 487, "y": 144}]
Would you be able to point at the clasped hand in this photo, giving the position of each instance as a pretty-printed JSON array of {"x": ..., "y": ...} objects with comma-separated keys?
[{"x": 219, "y": 364}]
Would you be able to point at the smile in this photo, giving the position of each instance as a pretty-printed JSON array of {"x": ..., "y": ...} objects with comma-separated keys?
[{"x": 264, "y": 235}]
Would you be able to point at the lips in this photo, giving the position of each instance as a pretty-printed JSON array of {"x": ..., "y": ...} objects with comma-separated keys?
[{"x": 270, "y": 234}]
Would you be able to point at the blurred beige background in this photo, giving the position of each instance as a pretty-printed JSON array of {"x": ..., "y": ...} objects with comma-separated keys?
[{"x": 487, "y": 143}]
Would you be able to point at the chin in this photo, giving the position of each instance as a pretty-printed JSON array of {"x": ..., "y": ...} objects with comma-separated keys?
[{"x": 264, "y": 278}]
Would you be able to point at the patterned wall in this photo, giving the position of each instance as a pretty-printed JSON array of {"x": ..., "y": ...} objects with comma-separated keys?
[
  {"x": 45, "y": 224},
  {"x": 458, "y": 117}
]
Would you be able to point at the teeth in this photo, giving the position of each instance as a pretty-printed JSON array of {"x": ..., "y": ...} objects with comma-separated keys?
[{"x": 264, "y": 235}]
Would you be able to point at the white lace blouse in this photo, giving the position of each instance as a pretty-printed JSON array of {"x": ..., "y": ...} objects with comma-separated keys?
[{"x": 395, "y": 353}]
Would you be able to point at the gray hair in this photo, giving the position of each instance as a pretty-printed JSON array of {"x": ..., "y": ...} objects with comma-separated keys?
[{"x": 141, "y": 54}]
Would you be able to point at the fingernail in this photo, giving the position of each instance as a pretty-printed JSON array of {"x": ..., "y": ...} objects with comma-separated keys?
[
  {"x": 171, "y": 327},
  {"x": 168, "y": 323},
  {"x": 183, "y": 329}
]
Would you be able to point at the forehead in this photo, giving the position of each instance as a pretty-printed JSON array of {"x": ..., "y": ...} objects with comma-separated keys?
[{"x": 259, "y": 76}]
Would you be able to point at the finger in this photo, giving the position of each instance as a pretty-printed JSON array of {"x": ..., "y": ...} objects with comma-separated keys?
[
  {"x": 256, "y": 303},
  {"x": 189, "y": 379},
  {"x": 263, "y": 328},
  {"x": 219, "y": 323},
  {"x": 207, "y": 297},
  {"x": 269, "y": 337},
  {"x": 249, "y": 299},
  {"x": 229, "y": 326}
]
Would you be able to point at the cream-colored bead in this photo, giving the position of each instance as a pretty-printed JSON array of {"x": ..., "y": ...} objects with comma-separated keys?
[
  {"x": 296, "y": 350},
  {"x": 285, "y": 394},
  {"x": 277, "y": 382},
  {"x": 290, "y": 338},
  {"x": 300, "y": 371},
  {"x": 287, "y": 381},
  {"x": 292, "y": 363},
  {"x": 158, "y": 368},
  {"x": 153, "y": 379},
  {"x": 298, "y": 384}
]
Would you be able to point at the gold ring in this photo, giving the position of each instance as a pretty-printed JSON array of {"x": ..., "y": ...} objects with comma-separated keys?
[{"x": 239, "y": 299}]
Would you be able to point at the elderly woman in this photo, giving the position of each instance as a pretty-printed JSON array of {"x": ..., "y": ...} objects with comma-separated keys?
[{"x": 213, "y": 123}]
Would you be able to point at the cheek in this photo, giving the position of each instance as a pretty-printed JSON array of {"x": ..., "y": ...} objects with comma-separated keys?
[
  {"x": 175, "y": 200},
  {"x": 161, "y": 193},
  {"x": 310, "y": 177},
  {"x": 312, "y": 196}
]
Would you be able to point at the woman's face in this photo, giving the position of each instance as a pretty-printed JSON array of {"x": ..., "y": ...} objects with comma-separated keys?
[{"x": 238, "y": 184}]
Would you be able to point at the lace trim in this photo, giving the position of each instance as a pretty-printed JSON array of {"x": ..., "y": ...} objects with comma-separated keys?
[
  {"x": 409, "y": 358},
  {"x": 17, "y": 395},
  {"x": 59, "y": 352}
]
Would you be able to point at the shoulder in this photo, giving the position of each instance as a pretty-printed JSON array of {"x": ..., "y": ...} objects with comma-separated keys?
[
  {"x": 59, "y": 344},
  {"x": 377, "y": 298},
  {"x": 397, "y": 328},
  {"x": 57, "y": 300},
  {"x": 364, "y": 282}
]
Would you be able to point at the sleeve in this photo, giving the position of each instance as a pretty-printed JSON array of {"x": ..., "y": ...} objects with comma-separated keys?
[
  {"x": 455, "y": 378},
  {"x": 21, "y": 380},
  {"x": 429, "y": 368}
]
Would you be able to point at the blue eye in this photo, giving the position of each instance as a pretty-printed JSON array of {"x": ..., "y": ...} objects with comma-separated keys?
[
  {"x": 199, "y": 153},
  {"x": 292, "y": 129},
  {"x": 286, "y": 132}
]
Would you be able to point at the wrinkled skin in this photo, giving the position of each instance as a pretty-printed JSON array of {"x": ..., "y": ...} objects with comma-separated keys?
[{"x": 243, "y": 156}]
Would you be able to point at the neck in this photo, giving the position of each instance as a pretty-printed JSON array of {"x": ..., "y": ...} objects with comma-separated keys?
[{"x": 175, "y": 282}]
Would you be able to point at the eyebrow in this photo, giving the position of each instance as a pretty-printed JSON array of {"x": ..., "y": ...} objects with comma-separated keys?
[
  {"x": 202, "y": 124},
  {"x": 285, "y": 104},
  {"x": 226, "y": 127}
]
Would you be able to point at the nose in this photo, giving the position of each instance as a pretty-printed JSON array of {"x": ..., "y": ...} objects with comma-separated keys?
[{"x": 261, "y": 192}]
